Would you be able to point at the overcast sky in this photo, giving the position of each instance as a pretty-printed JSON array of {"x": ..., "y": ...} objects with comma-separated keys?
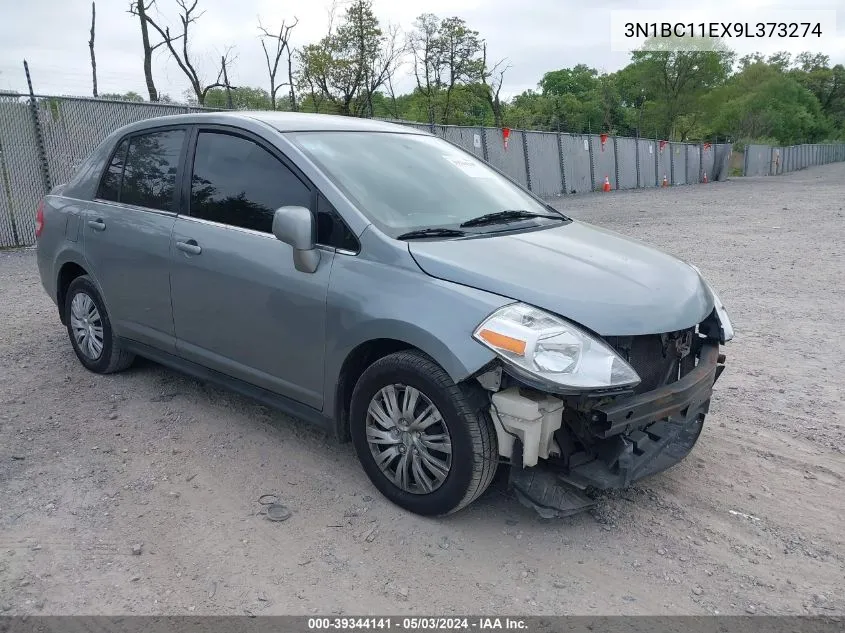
[{"x": 534, "y": 35}]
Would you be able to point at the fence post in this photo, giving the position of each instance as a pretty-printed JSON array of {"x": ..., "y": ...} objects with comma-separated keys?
[
  {"x": 616, "y": 161},
  {"x": 637, "y": 159},
  {"x": 561, "y": 163},
  {"x": 484, "y": 144},
  {"x": 656, "y": 162},
  {"x": 592, "y": 165},
  {"x": 701, "y": 162},
  {"x": 671, "y": 163},
  {"x": 39, "y": 136},
  {"x": 527, "y": 162}
]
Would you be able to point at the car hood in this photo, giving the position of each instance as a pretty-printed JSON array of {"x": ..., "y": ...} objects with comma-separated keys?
[{"x": 599, "y": 279}]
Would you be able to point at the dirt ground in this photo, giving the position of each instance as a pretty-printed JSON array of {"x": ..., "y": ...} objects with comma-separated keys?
[{"x": 752, "y": 522}]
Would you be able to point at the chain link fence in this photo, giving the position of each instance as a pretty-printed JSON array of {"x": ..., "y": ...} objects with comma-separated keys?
[{"x": 44, "y": 139}]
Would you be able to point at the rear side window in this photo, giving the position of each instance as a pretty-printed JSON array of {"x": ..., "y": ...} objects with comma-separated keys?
[
  {"x": 237, "y": 182},
  {"x": 110, "y": 184},
  {"x": 149, "y": 176}
]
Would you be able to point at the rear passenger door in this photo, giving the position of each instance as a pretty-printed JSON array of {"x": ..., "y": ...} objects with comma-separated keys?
[
  {"x": 239, "y": 304},
  {"x": 127, "y": 230}
]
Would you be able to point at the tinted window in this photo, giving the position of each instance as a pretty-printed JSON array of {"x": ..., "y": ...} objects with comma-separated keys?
[
  {"x": 110, "y": 184},
  {"x": 238, "y": 182},
  {"x": 149, "y": 178},
  {"x": 331, "y": 229}
]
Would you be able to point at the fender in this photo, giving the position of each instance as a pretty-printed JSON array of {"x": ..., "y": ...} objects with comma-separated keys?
[{"x": 369, "y": 300}]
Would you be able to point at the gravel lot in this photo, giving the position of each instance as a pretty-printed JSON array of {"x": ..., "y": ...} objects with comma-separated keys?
[{"x": 752, "y": 522}]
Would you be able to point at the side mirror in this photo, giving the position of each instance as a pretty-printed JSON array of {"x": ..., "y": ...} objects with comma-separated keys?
[{"x": 296, "y": 226}]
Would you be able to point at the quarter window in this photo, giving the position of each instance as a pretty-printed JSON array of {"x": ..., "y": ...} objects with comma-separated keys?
[
  {"x": 331, "y": 229},
  {"x": 237, "y": 182},
  {"x": 110, "y": 184}
]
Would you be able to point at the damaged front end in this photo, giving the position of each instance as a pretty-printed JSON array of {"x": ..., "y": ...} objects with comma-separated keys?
[{"x": 560, "y": 445}]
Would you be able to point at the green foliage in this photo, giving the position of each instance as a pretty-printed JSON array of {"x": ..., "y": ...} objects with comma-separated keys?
[
  {"x": 126, "y": 96},
  {"x": 447, "y": 58},
  {"x": 243, "y": 99},
  {"x": 346, "y": 68},
  {"x": 670, "y": 85},
  {"x": 763, "y": 102}
]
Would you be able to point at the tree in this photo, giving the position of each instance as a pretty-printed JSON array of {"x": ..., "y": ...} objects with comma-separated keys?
[
  {"x": 460, "y": 62},
  {"x": 492, "y": 79},
  {"x": 139, "y": 8},
  {"x": 91, "y": 46},
  {"x": 827, "y": 83},
  {"x": 580, "y": 99},
  {"x": 426, "y": 48},
  {"x": 351, "y": 63},
  {"x": 281, "y": 46},
  {"x": 380, "y": 68},
  {"x": 448, "y": 54},
  {"x": 187, "y": 17},
  {"x": 675, "y": 80},
  {"x": 580, "y": 80},
  {"x": 763, "y": 103}
]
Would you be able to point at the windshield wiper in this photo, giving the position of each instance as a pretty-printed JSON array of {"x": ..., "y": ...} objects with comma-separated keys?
[
  {"x": 508, "y": 215},
  {"x": 433, "y": 232}
]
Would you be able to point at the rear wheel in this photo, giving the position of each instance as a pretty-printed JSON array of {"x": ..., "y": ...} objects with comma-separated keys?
[
  {"x": 90, "y": 331},
  {"x": 419, "y": 439}
]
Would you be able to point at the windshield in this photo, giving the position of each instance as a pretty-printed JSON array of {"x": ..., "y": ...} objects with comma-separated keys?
[{"x": 406, "y": 182}]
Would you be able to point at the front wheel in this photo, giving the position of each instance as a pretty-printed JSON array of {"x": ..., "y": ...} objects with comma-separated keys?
[{"x": 419, "y": 439}]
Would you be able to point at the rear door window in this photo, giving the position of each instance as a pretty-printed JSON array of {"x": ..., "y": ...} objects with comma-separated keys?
[{"x": 237, "y": 182}]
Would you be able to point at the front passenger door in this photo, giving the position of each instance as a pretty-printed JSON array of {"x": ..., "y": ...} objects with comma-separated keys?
[{"x": 239, "y": 304}]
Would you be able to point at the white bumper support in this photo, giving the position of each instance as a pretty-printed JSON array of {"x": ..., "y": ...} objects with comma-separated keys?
[{"x": 532, "y": 417}]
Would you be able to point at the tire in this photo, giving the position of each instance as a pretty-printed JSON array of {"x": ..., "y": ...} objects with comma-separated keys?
[
  {"x": 473, "y": 449},
  {"x": 109, "y": 356}
]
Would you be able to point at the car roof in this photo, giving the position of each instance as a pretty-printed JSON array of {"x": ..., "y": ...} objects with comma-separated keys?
[{"x": 281, "y": 121}]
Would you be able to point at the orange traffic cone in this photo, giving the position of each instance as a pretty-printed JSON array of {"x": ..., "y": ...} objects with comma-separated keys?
[
  {"x": 606, "y": 186},
  {"x": 665, "y": 182},
  {"x": 705, "y": 177}
]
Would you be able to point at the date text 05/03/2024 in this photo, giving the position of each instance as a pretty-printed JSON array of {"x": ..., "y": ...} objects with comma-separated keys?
[{"x": 418, "y": 624}]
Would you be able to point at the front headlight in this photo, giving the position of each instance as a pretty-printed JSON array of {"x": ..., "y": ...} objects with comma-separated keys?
[{"x": 547, "y": 347}]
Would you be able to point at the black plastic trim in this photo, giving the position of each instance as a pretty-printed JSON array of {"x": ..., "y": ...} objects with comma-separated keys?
[{"x": 691, "y": 390}]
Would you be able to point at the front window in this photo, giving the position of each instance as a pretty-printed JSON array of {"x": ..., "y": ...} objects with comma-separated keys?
[{"x": 407, "y": 182}]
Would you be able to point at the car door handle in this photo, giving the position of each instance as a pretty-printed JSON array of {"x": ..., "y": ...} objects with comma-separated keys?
[
  {"x": 190, "y": 246},
  {"x": 97, "y": 225}
]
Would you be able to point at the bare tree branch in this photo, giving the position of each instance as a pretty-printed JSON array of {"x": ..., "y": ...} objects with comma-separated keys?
[
  {"x": 187, "y": 17},
  {"x": 91, "y": 45},
  {"x": 140, "y": 9},
  {"x": 492, "y": 79},
  {"x": 282, "y": 45}
]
